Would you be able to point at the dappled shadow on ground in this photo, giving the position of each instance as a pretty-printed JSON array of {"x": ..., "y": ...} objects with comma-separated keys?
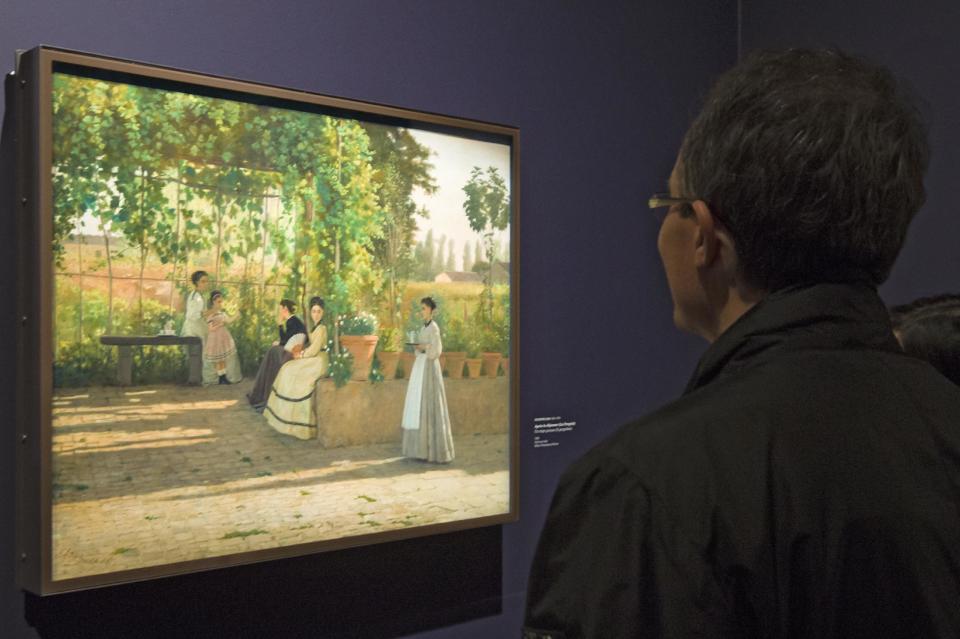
[
  {"x": 388, "y": 467},
  {"x": 190, "y": 441}
]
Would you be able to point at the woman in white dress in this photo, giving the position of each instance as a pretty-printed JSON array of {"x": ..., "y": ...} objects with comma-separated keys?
[
  {"x": 426, "y": 420},
  {"x": 195, "y": 322},
  {"x": 290, "y": 407}
]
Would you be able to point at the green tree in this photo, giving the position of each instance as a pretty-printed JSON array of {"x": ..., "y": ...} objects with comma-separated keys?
[
  {"x": 451, "y": 263},
  {"x": 440, "y": 259},
  {"x": 401, "y": 167},
  {"x": 487, "y": 207},
  {"x": 427, "y": 260}
]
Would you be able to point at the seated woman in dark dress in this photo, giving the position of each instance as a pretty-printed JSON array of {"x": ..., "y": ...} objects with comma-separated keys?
[{"x": 293, "y": 336}]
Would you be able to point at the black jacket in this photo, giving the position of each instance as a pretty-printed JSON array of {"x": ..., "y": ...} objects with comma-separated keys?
[
  {"x": 291, "y": 327},
  {"x": 807, "y": 484}
]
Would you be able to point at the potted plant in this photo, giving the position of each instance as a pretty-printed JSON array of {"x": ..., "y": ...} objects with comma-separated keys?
[
  {"x": 389, "y": 353},
  {"x": 473, "y": 345},
  {"x": 490, "y": 351},
  {"x": 454, "y": 348},
  {"x": 358, "y": 336}
]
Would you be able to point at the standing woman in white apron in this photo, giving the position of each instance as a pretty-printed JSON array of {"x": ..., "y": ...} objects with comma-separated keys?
[{"x": 426, "y": 420}]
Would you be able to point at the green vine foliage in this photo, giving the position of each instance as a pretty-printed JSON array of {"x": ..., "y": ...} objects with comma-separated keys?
[{"x": 271, "y": 202}]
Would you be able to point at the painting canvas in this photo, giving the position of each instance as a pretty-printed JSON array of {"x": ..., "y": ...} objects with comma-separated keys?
[{"x": 276, "y": 324}]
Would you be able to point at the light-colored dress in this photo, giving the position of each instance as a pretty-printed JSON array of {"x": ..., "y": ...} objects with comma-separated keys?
[
  {"x": 220, "y": 346},
  {"x": 194, "y": 325},
  {"x": 426, "y": 420},
  {"x": 290, "y": 407}
]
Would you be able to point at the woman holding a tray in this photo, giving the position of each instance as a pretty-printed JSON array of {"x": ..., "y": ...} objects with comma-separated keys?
[{"x": 426, "y": 421}]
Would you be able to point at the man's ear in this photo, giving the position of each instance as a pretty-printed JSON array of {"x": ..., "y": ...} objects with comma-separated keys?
[
  {"x": 714, "y": 241},
  {"x": 707, "y": 240}
]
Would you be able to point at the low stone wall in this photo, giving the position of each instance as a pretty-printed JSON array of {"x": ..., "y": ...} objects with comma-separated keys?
[{"x": 367, "y": 413}]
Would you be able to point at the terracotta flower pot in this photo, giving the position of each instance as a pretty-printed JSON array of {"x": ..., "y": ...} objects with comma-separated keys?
[
  {"x": 361, "y": 347},
  {"x": 454, "y": 365},
  {"x": 505, "y": 366},
  {"x": 491, "y": 363},
  {"x": 389, "y": 361},
  {"x": 473, "y": 367},
  {"x": 406, "y": 363}
]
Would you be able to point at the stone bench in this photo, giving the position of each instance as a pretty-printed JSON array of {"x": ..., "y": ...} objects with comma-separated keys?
[
  {"x": 369, "y": 413},
  {"x": 125, "y": 344}
]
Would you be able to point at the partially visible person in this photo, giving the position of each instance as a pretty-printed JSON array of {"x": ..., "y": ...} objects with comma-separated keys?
[
  {"x": 807, "y": 483},
  {"x": 195, "y": 321},
  {"x": 929, "y": 328},
  {"x": 220, "y": 349},
  {"x": 291, "y": 404},
  {"x": 427, "y": 433},
  {"x": 293, "y": 336}
]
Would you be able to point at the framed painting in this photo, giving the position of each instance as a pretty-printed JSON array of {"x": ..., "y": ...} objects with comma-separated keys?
[{"x": 255, "y": 322}]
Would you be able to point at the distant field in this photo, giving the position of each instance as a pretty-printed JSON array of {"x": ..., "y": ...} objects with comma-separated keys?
[
  {"x": 90, "y": 259},
  {"x": 460, "y": 297}
]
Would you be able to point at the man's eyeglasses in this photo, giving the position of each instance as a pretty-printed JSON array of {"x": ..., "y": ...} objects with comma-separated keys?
[
  {"x": 660, "y": 203},
  {"x": 665, "y": 200}
]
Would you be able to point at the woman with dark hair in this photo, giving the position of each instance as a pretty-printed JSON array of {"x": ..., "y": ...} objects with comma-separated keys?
[
  {"x": 194, "y": 323},
  {"x": 426, "y": 420},
  {"x": 929, "y": 328},
  {"x": 293, "y": 335},
  {"x": 290, "y": 407},
  {"x": 195, "y": 320}
]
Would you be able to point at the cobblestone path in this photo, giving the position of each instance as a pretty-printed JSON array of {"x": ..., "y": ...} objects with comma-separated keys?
[{"x": 160, "y": 474}]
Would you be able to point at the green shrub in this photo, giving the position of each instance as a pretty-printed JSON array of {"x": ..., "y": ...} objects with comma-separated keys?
[
  {"x": 341, "y": 368},
  {"x": 389, "y": 340},
  {"x": 453, "y": 336}
]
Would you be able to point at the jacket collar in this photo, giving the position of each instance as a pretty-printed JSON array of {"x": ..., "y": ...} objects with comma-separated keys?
[{"x": 819, "y": 316}]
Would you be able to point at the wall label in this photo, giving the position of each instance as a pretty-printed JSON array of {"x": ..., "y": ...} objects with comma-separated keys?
[{"x": 545, "y": 430}]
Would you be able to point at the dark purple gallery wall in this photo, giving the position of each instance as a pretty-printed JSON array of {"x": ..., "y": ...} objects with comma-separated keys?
[
  {"x": 602, "y": 93},
  {"x": 919, "y": 42}
]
